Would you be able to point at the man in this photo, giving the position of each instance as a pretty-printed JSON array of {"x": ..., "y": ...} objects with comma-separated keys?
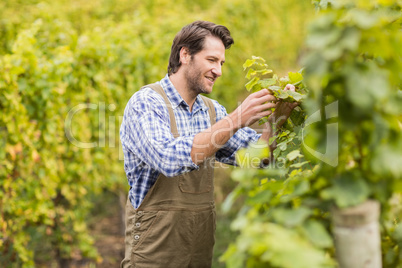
[{"x": 171, "y": 137}]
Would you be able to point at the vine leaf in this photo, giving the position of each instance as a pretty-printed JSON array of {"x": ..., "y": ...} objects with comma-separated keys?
[
  {"x": 252, "y": 83},
  {"x": 317, "y": 234},
  {"x": 347, "y": 190},
  {"x": 291, "y": 217}
]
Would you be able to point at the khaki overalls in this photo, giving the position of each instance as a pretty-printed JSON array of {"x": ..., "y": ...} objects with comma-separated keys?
[{"x": 175, "y": 224}]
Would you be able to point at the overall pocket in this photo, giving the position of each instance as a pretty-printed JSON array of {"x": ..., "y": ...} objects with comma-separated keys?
[
  {"x": 198, "y": 181},
  {"x": 142, "y": 226}
]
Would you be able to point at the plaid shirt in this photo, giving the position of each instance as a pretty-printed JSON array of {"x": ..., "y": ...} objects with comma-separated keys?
[{"x": 149, "y": 146}]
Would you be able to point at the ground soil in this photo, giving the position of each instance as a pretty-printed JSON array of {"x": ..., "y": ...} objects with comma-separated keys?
[{"x": 109, "y": 240}]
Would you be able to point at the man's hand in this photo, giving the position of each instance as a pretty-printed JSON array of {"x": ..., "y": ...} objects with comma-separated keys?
[
  {"x": 276, "y": 120},
  {"x": 254, "y": 107},
  {"x": 283, "y": 109}
]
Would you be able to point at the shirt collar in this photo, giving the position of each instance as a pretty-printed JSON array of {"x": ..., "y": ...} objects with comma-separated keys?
[{"x": 175, "y": 98}]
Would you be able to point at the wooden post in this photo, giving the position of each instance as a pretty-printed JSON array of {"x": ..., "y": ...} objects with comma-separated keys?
[{"x": 357, "y": 236}]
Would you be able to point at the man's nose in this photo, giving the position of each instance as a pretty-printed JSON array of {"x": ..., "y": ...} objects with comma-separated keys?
[{"x": 217, "y": 70}]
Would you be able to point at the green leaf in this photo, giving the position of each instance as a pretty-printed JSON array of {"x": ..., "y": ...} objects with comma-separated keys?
[
  {"x": 347, "y": 190},
  {"x": 248, "y": 63},
  {"x": 282, "y": 146},
  {"x": 295, "y": 77},
  {"x": 317, "y": 234},
  {"x": 302, "y": 186},
  {"x": 265, "y": 83},
  {"x": 350, "y": 39},
  {"x": 252, "y": 156},
  {"x": 297, "y": 116},
  {"x": 263, "y": 120},
  {"x": 230, "y": 199},
  {"x": 252, "y": 83},
  {"x": 260, "y": 198},
  {"x": 233, "y": 258},
  {"x": 295, "y": 95},
  {"x": 242, "y": 174},
  {"x": 387, "y": 160},
  {"x": 291, "y": 217},
  {"x": 251, "y": 72},
  {"x": 258, "y": 59},
  {"x": 263, "y": 72},
  {"x": 362, "y": 18},
  {"x": 324, "y": 35},
  {"x": 293, "y": 155},
  {"x": 271, "y": 245},
  {"x": 299, "y": 165},
  {"x": 283, "y": 94},
  {"x": 274, "y": 186},
  {"x": 275, "y": 88},
  {"x": 366, "y": 85}
]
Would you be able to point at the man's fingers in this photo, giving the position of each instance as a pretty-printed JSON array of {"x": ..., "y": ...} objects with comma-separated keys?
[
  {"x": 268, "y": 105},
  {"x": 295, "y": 104},
  {"x": 255, "y": 100},
  {"x": 268, "y": 97},
  {"x": 261, "y": 93},
  {"x": 290, "y": 87},
  {"x": 265, "y": 113}
]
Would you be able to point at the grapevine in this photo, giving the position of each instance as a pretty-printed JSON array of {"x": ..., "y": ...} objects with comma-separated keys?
[
  {"x": 278, "y": 219},
  {"x": 260, "y": 76},
  {"x": 353, "y": 62}
]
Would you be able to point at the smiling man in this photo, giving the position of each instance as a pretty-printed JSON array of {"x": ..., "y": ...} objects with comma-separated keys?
[{"x": 171, "y": 136}]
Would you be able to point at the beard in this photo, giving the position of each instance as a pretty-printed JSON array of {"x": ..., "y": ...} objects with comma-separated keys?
[{"x": 195, "y": 80}]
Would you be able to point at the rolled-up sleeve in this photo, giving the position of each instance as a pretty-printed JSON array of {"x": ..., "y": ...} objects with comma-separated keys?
[
  {"x": 146, "y": 134},
  {"x": 242, "y": 138}
]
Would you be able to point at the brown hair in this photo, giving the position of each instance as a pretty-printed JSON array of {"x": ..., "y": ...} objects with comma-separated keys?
[{"x": 192, "y": 36}]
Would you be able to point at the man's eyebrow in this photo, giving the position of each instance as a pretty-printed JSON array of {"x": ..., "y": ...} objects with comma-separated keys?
[{"x": 216, "y": 58}]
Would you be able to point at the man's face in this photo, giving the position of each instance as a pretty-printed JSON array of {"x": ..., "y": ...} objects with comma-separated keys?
[{"x": 206, "y": 66}]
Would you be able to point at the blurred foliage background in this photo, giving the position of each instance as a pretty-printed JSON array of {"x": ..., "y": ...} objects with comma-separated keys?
[{"x": 67, "y": 70}]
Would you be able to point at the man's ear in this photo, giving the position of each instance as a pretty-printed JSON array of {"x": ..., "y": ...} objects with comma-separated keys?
[{"x": 184, "y": 55}]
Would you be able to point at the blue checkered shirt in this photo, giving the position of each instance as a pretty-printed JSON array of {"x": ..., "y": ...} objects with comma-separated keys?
[{"x": 149, "y": 147}]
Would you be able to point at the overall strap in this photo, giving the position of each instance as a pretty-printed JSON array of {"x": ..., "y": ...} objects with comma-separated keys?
[
  {"x": 158, "y": 89},
  {"x": 211, "y": 111}
]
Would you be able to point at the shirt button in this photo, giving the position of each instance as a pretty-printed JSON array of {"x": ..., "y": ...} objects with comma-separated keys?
[
  {"x": 137, "y": 224},
  {"x": 136, "y": 237},
  {"x": 140, "y": 213}
]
